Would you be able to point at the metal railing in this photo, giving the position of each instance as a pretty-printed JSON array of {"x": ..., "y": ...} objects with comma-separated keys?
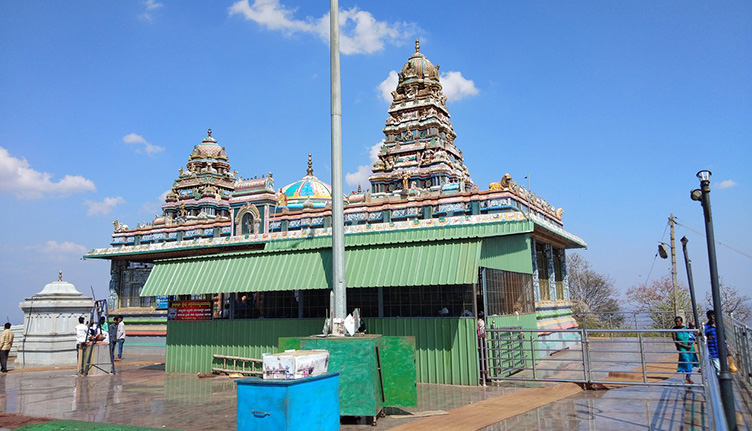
[
  {"x": 609, "y": 356},
  {"x": 626, "y": 319},
  {"x": 589, "y": 356},
  {"x": 712, "y": 392},
  {"x": 739, "y": 340}
]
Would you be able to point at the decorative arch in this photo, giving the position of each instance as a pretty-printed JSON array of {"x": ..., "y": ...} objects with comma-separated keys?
[{"x": 248, "y": 220}]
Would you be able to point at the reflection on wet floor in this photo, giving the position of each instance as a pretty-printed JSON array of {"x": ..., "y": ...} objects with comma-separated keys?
[
  {"x": 135, "y": 397},
  {"x": 148, "y": 397},
  {"x": 631, "y": 408}
]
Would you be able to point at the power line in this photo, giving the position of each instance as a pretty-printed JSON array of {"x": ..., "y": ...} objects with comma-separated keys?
[{"x": 717, "y": 242}]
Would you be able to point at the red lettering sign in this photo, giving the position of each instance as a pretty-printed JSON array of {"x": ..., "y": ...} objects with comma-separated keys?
[{"x": 190, "y": 310}]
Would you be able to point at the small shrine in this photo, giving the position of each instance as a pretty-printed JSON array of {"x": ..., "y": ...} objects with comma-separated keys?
[{"x": 50, "y": 319}]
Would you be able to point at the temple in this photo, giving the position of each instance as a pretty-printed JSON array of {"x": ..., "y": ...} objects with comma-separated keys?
[{"x": 427, "y": 252}]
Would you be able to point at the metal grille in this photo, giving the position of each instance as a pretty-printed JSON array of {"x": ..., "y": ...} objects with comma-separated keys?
[
  {"x": 507, "y": 292},
  {"x": 628, "y": 357}
]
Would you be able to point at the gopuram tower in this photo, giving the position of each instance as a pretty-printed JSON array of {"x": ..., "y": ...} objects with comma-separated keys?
[
  {"x": 202, "y": 192},
  {"x": 418, "y": 151}
]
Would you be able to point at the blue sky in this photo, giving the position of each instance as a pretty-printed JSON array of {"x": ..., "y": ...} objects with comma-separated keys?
[{"x": 611, "y": 107}]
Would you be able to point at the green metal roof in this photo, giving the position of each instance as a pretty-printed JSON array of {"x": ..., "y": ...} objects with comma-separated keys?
[{"x": 408, "y": 264}]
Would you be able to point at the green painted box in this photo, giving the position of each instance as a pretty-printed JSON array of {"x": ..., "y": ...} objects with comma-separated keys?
[{"x": 375, "y": 371}]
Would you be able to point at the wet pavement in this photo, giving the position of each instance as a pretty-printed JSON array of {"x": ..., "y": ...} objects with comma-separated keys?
[{"x": 144, "y": 395}]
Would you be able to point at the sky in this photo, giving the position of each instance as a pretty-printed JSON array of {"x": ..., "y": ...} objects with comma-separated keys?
[{"x": 610, "y": 108}]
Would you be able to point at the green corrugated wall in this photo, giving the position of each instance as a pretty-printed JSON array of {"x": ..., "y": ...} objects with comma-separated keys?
[
  {"x": 509, "y": 253},
  {"x": 445, "y": 348},
  {"x": 190, "y": 345}
]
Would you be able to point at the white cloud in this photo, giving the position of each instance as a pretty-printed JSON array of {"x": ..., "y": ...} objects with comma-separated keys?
[
  {"x": 725, "y": 184},
  {"x": 388, "y": 85},
  {"x": 455, "y": 86},
  {"x": 154, "y": 207},
  {"x": 360, "y": 32},
  {"x": 150, "y": 7},
  {"x": 66, "y": 247},
  {"x": 360, "y": 176},
  {"x": 104, "y": 207},
  {"x": 135, "y": 139},
  {"x": 353, "y": 179},
  {"x": 17, "y": 177}
]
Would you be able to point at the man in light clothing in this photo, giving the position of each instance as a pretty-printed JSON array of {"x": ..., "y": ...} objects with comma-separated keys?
[
  {"x": 82, "y": 331},
  {"x": 120, "y": 336},
  {"x": 6, "y": 342}
]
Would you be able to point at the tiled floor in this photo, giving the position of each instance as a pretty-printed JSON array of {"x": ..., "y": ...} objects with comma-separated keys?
[{"x": 146, "y": 396}]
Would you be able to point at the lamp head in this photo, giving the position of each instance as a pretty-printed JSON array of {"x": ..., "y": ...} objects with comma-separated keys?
[
  {"x": 704, "y": 175},
  {"x": 662, "y": 251},
  {"x": 696, "y": 195},
  {"x": 684, "y": 241}
]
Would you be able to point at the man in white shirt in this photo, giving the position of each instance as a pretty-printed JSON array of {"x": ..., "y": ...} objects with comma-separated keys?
[{"x": 82, "y": 331}]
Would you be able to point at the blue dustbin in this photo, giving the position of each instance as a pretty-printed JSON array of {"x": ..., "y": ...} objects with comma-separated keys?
[{"x": 305, "y": 404}]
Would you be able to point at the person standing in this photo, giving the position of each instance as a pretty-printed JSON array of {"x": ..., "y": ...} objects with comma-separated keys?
[
  {"x": 685, "y": 347},
  {"x": 112, "y": 332},
  {"x": 6, "y": 342},
  {"x": 712, "y": 338},
  {"x": 82, "y": 331},
  {"x": 120, "y": 336}
]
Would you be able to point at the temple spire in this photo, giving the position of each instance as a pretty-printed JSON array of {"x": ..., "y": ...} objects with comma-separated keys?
[
  {"x": 310, "y": 165},
  {"x": 209, "y": 132},
  {"x": 417, "y": 45}
]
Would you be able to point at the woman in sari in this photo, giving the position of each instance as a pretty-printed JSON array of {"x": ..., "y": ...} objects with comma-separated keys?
[{"x": 686, "y": 348}]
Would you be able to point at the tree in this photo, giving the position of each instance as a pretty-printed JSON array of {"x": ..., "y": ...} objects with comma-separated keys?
[
  {"x": 591, "y": 292},
  {"x": 659, "y": 301},
  {"x": 734, "y": 304}
]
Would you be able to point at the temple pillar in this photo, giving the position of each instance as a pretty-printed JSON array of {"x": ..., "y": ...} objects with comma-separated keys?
[
  {"x": 536, "y": 282},
  {"x": 116, "y": 270},
  {"x": 551, "y": 271},
  {"x": 564, "y": 273}
]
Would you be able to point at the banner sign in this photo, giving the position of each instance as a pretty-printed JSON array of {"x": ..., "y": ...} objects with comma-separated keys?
[
  {"x": 190, "y": 310},
  {"x": 161, "y": 302}
]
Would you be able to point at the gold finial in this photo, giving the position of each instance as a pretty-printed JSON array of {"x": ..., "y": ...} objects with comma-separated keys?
[
  {"x": 417, "y": 45},
  {"x": 60, "y": 276},
  {"x": 209, "y": 132},
  {"x": 310, "y": 165}
]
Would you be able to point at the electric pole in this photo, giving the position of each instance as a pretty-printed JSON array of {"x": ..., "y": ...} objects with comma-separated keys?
[{"x": 671, "y": 223}]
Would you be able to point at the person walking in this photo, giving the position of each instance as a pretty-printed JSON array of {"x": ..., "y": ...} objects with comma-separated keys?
[
  {"x": 120, "y": 336},
  {"x": 6, "y": 342},
  {"x": 712, "y": 338},
  {"x": 685, "y": 347}
]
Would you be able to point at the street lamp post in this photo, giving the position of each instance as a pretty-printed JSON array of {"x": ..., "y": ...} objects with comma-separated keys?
[
  {"x": 688, "y": 264},
  {"x": 724, "y": 377}
]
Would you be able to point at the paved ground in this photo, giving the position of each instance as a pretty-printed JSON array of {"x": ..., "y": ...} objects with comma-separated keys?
[{"x": 143, "y": 395}]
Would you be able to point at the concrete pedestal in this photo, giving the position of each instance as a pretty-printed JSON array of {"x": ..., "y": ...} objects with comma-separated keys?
[
  {"x": 50, "y": 318},
  {"x": 100, "y": 364}
]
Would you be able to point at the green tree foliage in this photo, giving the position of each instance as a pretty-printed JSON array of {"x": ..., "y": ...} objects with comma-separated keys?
[
  {"x": 659, "y": 301},
  {"x": 594, "y": 298}
]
